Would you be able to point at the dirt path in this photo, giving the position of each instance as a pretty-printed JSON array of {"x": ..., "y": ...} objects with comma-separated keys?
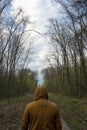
[
  {"x": 11, "y": 113},
  {"x": 10, "y": 118},
  {"x": 64, "y": 125}
]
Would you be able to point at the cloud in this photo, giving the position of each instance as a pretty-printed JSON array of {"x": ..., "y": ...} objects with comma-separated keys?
[{"x": 39, "y": 12}]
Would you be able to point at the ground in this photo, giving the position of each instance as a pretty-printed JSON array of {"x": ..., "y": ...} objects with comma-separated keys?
[
  {"x": 64, "y": 125},
  {"x": 11, "y": 111},
  {"x": 72, "y": 110}
]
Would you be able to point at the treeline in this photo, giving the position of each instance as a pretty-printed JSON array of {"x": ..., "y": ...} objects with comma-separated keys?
[
  {"x": 19, "y": 84},
  {"x": 67, "y": 71},
  {"x": 15, "y": 52}
]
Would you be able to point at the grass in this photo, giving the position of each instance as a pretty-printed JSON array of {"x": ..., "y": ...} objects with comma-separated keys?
[
  {"x": 11, "y": 111},
  {"x": 73, "y": 110}
]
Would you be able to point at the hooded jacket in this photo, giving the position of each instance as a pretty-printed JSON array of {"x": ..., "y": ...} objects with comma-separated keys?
[{"x": 41, "y": 114}]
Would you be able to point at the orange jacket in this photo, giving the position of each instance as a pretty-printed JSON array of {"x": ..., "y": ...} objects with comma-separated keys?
[{"x": 41, "y": 114}]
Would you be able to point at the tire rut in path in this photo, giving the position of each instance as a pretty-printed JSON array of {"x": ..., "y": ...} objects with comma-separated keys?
[{"x": 64, "y": 125}]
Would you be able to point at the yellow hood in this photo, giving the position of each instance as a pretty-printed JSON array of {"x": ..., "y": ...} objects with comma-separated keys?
[{"x": 40, "y": 92}]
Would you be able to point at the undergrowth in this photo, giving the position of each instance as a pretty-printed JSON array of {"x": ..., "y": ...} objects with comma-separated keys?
[{"x": 73, "y": 110}]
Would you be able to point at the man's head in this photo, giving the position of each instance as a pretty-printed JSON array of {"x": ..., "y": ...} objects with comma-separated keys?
[{"x": 40, "y": 92}]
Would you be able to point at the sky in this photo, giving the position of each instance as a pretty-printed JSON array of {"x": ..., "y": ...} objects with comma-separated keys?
[{"x": 39, "y": 11}]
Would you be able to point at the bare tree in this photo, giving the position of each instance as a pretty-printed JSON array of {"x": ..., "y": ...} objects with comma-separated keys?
[
  {"x": 76, "y": 17},
  {"x": 13, "y": 46},
  {"x": 59, "y": 35}
]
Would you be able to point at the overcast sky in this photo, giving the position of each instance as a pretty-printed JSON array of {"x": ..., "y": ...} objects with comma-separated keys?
[{"x": 39, "y": 12}]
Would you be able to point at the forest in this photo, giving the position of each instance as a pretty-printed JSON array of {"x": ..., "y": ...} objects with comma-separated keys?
[
  {"x": 66, "y": 73},
  {"x": 64, "y": 69},
  {"x": 67, "y": 58},
  {"x": 15, "y": 52}
]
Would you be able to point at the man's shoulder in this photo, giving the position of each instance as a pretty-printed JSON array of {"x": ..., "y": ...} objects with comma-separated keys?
[
  {"x": 53, "y": 107},
  {"x": 53, "y": 104},
  {"x": 35, "y": 103},
  {"x": 30, "y": 104}
]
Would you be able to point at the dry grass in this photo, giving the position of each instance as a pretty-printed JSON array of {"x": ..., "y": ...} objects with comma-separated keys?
[
  {"x": 74, "y": 111},
  {"x": 11, "y": 111}
]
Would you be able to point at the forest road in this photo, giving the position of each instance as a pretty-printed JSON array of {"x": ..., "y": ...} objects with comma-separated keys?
[{"x": 64, "y": 125}]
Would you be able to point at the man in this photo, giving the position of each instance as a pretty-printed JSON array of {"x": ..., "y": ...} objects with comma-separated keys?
[{"x": 41, "y": 114}]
